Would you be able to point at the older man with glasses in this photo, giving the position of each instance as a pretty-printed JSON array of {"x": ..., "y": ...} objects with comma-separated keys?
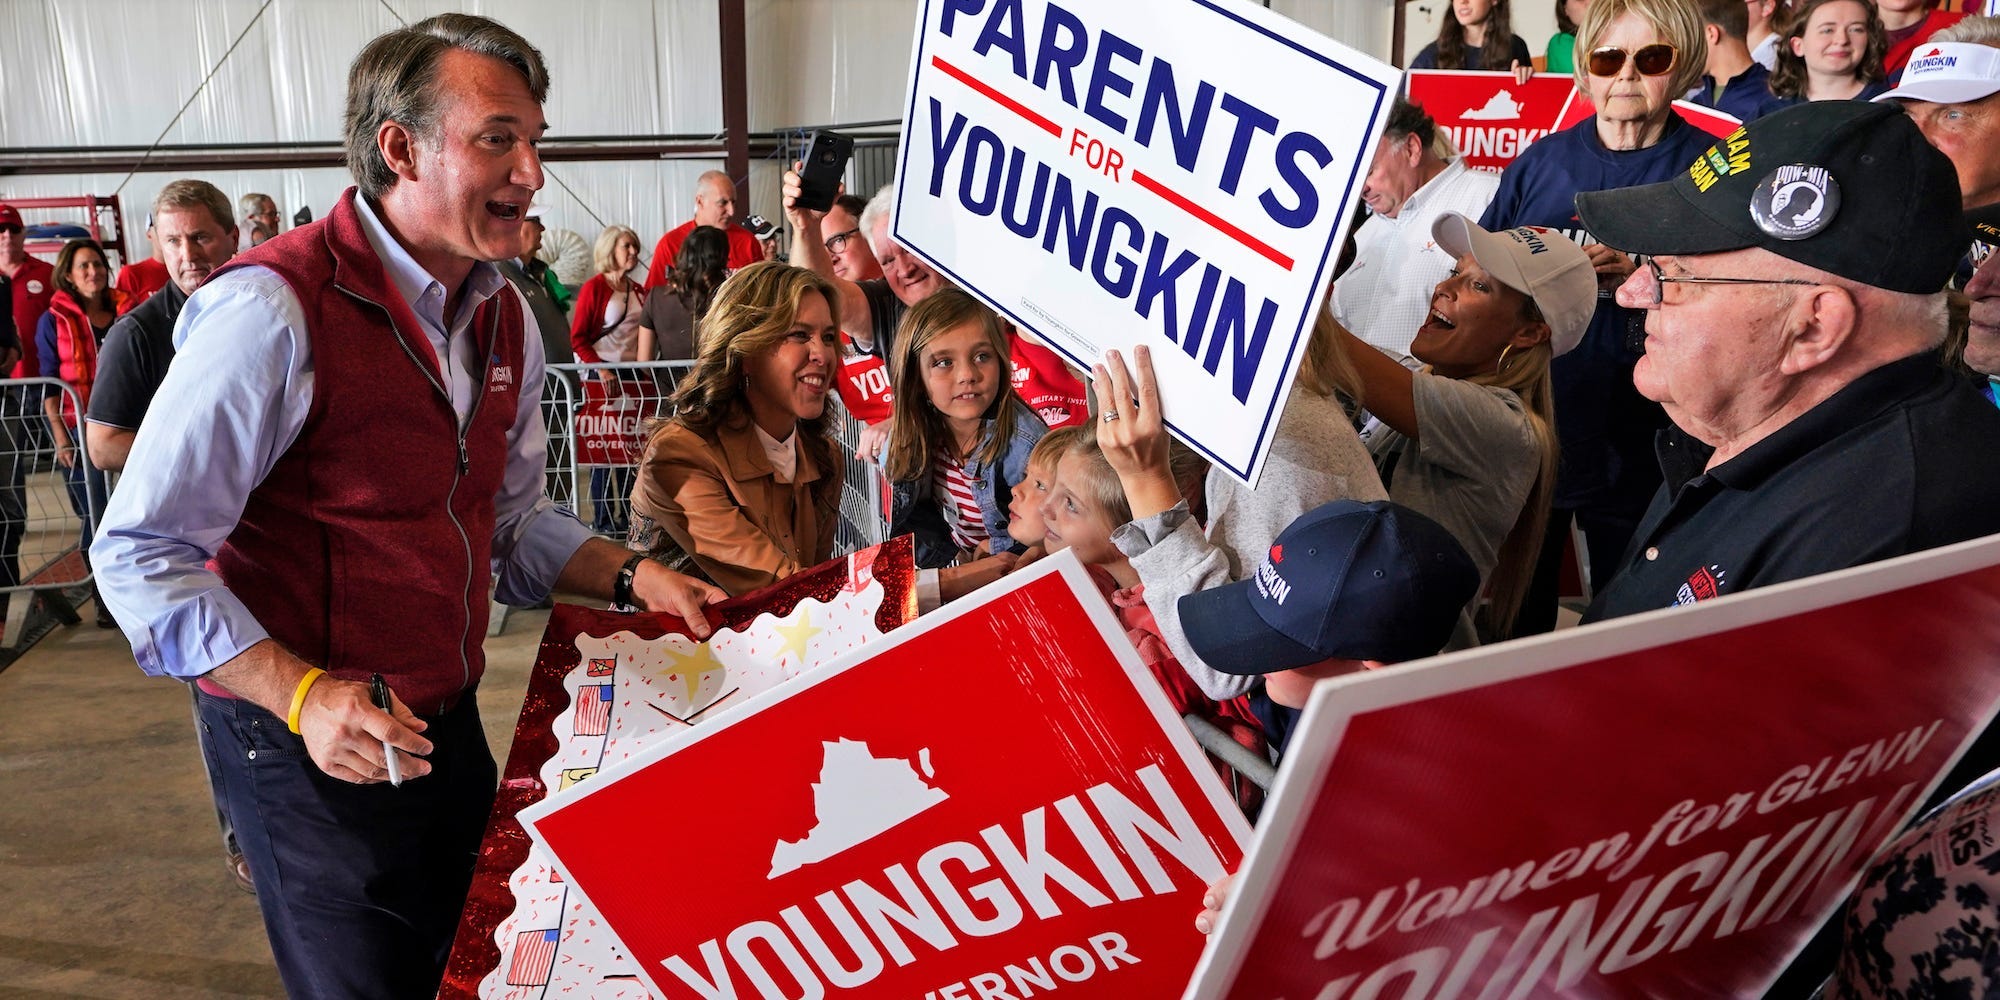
[
  {"x": 1794, "y": 305},
  {"x": 1794, "y": 309}
]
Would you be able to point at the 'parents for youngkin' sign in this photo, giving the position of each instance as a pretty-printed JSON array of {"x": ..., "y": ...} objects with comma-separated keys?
[{"x": 1176, "y": 172}]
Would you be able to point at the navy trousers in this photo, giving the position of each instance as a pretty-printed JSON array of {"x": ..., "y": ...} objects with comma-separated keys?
[{"x": 361, "y": 886}]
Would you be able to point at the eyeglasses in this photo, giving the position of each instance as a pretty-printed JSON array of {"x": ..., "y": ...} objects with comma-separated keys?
[
  {"x": 8, "y": 227},
  {"x": 1659, "y": 282},
  {"x": 1656, "y": 59},
  {"x": 838, "y": 240}
]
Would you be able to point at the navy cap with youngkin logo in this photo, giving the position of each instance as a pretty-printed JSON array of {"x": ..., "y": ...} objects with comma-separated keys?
[
  {"x": 1848, "y": 187},
  {"x": 1346, "y": 580}
]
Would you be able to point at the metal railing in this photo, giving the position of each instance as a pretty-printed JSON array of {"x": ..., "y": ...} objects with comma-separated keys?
[{"x": 47, "y": 511}]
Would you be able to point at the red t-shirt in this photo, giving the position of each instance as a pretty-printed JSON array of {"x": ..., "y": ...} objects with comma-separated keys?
[
  {"x": 139, "y": 280},
  {"x": 864, "y": 384},
  {"x": 1040, "y": 379},
  {"x": 34, "y": 284},
  {"x": 1046, "y": 385},
  {"x": 1900, "y": 49},
  {"x": 743, "y": 250}
]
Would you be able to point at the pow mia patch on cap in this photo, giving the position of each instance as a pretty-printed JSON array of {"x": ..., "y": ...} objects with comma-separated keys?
[{"x": 1795, "y": 202}]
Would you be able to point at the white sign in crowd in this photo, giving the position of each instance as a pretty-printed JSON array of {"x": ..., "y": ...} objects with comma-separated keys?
[{"x": 1178, "y": 173}]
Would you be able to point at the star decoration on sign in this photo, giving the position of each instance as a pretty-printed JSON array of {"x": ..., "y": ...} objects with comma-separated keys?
[
  {"x": 691, "y": 666},
  {"x": 797, "y": 635}
]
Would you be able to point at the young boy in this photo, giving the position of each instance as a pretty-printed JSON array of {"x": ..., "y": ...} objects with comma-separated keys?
[
  {"x": 1347, "y": 586},
  {"x": 1086, "y": 506},
  {"x": 1024, "y": 512}
]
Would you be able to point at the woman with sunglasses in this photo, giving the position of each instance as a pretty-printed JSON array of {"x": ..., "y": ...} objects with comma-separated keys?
[
  {"x": 1633, "y": 58},
  {"x": 1831, "y": 52}
]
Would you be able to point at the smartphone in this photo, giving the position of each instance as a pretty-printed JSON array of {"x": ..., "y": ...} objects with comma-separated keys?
[{"x": 825, "y": 161}]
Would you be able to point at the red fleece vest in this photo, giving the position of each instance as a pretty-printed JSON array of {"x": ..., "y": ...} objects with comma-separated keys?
[
  {"x": 367, "y": 549},
  {"x": 76, "y": 353}
]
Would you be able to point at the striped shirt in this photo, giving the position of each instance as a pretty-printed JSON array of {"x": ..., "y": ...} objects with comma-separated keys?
[{"x": 961, "y": 508}]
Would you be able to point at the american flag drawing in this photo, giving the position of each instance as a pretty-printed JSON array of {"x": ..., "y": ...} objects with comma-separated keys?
[
  {"x": 601, "y": 667},
  {"x": 534, "y": 955},
  {"x": 593, "y": 709}
]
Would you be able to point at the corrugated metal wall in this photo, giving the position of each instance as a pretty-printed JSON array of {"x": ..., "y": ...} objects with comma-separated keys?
[{"x": 96, "y": 73}]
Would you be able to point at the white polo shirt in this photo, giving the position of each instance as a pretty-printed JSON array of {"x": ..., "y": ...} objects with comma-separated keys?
[{"x": 1384, "y": 297}]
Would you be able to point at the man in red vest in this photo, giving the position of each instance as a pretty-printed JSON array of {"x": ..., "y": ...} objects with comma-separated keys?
[{"x": 357, "y": 399}]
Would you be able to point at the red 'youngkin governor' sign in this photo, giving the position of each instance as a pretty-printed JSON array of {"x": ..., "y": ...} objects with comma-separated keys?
[{"x": 993, "y": 802}]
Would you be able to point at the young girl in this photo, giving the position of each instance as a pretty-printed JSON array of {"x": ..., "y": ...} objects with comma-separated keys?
[
  {"x": 1024, "y": 513},
  {"x": 1479, "y": 34},
  {"x": 1832, "y": 51},
  {"x": 1086, "y": 506},
  {"x": 959, "y": 441}
]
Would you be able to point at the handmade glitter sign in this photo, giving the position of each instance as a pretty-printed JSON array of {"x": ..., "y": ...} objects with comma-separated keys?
[{"x": 605, "y": 686}]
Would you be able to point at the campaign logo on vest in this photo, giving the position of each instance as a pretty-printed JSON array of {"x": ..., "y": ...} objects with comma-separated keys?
[
  {"x": 994, "y": 801},
  {"x": 499, "y": 377}
]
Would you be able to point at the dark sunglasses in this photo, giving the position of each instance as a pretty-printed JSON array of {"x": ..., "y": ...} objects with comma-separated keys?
[
  {"x": 1656, "y": 59},
  {"x": 8, "y": 227}
]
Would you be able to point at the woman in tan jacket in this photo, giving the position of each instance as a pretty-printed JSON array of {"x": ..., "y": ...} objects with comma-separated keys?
[{"x": 742, "y": 484}]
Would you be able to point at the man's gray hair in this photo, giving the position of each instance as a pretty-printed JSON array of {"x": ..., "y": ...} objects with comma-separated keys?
[
  {"x": 709, "y": 179},
  {"x": 395, "y": 79},
  {"x": 1983, "y": 30},
  {"x": 878, "y": 211},
  {"x": 190, "y": 193},
  {"x": 250, "y": 204}
]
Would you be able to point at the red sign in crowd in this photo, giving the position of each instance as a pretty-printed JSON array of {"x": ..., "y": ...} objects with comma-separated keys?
[
  {"x": 1662, "y": 806},
  {"x": 996, "y": 800},
  {"x": 1491, "y": 118},
  {"x": 611, "y": 429}
]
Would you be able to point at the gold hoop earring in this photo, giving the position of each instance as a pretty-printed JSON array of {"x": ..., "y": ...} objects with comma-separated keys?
[{"x": 1502, "y": 363}]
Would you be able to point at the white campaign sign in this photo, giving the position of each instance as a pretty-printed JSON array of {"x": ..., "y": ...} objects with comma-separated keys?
[{"x": 1177, "y": 173}]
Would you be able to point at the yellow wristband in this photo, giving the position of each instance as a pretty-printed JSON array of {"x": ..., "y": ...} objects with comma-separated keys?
[{"x": 299, "y": 697}]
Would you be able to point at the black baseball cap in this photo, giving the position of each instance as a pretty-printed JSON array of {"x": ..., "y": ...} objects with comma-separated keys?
[
  {"x": 1985, "y": 223},
  {"x": 1346, "y": 580},
  {"x": 1849, "y": 187}
]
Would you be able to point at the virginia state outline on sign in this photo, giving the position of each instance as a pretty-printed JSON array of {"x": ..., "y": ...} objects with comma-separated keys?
[{"x": 857, "y": 798}]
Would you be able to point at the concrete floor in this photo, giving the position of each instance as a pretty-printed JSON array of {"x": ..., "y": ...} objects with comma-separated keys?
[{"x": 112, "y": 883}]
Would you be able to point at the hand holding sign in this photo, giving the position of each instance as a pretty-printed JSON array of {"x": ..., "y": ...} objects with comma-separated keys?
[
  {"x": 1177, "y": 174},
  {"x": 1212, "y": 903},
  {"x": 1132, "y": 433}
]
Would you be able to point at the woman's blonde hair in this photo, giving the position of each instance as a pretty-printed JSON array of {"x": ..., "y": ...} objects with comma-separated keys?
[
  {"x": 1326, "y": 370},
  {"x": 919, "y": 431},
  {"x": 1678, "y": 22},
  {"x": 1525, "y": 374},
  {"x": 601, "y": 253},
  {"x": 754, "y": 311}
]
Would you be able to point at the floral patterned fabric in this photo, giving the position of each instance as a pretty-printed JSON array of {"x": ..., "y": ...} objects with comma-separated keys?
[{"x": 1925, "y": 921}]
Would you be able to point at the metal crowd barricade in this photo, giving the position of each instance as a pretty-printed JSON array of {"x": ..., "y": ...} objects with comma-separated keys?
[
  {"x": 1244, "y": 765},
  {"x": 44, "y": 517},
  {"x": 595, "y": 482}
]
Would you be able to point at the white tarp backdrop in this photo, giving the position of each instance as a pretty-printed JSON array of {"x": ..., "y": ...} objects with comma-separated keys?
[{"x": 95, "y": 73}]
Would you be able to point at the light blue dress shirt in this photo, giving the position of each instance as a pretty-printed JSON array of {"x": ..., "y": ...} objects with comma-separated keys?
[{"x": 234, "y": 400}]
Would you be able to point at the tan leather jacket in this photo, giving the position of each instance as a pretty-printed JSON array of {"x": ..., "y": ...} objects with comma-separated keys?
[{"x": 717, "y": 498}]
